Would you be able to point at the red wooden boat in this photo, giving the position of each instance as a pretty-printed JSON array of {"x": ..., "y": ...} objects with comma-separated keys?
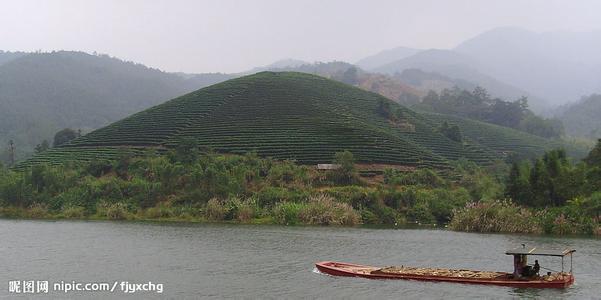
[{"x": 523, "y": 276}]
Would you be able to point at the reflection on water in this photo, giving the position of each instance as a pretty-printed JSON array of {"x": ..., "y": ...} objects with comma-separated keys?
[{"x": 214, "y": 261}]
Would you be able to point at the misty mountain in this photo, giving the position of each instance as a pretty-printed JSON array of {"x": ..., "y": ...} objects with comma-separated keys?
[
  {"x": 460, "y": 68},
  {"x": 558, "y": 66},
  {"x": 432, "y": 81},
  {"x": 385, "y": 85},
  {"x": 582, "y": 118},
  {"x": 280, "y": 64},
  {"x": 6, "y": 56},
  {"x": 41, "y": 93},
  {"x": 385, "y": 57},
  {"x": 551, "y": 68}
]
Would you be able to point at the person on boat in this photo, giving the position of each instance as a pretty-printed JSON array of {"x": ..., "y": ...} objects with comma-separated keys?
[{"x": 536, "y": 267}]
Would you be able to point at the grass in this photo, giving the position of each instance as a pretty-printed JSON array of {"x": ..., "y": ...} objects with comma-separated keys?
[{"x": 294, "y": 116}]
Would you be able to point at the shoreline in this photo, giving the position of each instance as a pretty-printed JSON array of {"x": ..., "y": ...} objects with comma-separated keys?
[{"x": 269, "y": 221}]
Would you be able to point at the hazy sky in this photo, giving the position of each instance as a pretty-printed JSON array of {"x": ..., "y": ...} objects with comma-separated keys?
[{"x": 229, "y": 36}]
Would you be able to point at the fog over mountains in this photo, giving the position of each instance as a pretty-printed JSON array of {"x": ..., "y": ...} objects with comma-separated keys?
[
  {"x": 552, "y": 68},
  {"x": 41, "y": 93}
]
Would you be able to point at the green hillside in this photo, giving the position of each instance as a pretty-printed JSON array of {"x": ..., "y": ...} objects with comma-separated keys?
[
  {"x": 295, "y": 116},
  {"x": 42, "y": 93},
  {"x": 505, "y": 141}
]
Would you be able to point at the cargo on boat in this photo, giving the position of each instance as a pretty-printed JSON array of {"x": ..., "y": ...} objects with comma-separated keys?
[{"x": 524, "y": 275}]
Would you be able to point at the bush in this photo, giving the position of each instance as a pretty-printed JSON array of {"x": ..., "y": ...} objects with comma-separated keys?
[
  {"x": 215, "y": 210},
  {"x": 421, "y": 213},
  {"x": 37, "y": 211},
  {"x": 270, "y": 196},
  {"x": 113, "y": 211},
  {"x": 99, "y": 168},
  {"x": 357, "y": 196},
  {"x": 246, "y": 211},
  {"x": 497, "y": 216},
  {"x": 161, "y": 210},
  {"x": 287, "y": 213},
  {"x": 424, "y": 177},
  {"x": 368, "y": 217},
  {"x": 323, "y": 210},
  {"x": 385, "y": 214},
  {"x": 74, "y": 212}
]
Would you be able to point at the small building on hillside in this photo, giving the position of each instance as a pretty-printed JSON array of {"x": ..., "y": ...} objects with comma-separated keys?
[{"x": 328, "y": 166}]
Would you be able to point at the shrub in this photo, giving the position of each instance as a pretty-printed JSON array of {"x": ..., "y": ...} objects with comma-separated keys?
[
  {"x": 287, "y": 213},
  {"x": 324, "y": 210},
  {"x": 270, "y": 196},
  {"x": 99, "y": 168},
  {"x": 113, "y": 211},
  {"x": 215, "y": 210},
  {"x": 368, "y": 217},
  {"x": 496, "y": 216},
  {"x": 385, "y": 214},
  {"x": 161, "y": 210},
  {"x": 421, "y": 213},
  {"x": 425, "y": 177},
  {"x": 357, "y": 196},
  {"x": 74, "y": 212},
  {"x": 246, "y": 211},
  {"x": 37, "y": 211}
]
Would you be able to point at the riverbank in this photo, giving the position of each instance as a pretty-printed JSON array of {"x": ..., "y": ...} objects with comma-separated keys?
[
  {"x": 252, "y": 190},
  {"x": 489, "y": 222}
]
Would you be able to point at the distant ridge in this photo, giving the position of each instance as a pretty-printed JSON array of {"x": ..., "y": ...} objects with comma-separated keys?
[
  {"x": 42, "y": 93},
  {"x": 385, "y": 57},
  {"x": 288, "y": 115}
]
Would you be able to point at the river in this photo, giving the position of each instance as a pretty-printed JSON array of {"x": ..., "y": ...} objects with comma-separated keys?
[{"x": 247, "y": 261}]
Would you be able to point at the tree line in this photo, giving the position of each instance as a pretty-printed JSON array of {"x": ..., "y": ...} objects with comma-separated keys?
[{"x": 479, "y": 105}]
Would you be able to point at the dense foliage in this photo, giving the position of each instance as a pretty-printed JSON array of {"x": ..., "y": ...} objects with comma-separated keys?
[
  {"x": 550, "y": 194},
  {"x": 479, "y": 105},
  {"x": 62, "y": 137},
  {"x": 188, "y": 185},
  {"x": 582, "y": 118}
]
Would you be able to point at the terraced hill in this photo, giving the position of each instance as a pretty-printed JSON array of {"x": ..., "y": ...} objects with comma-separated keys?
[
  {"x": 503, "y": 140},
  {"x": 287, "y": 115}
]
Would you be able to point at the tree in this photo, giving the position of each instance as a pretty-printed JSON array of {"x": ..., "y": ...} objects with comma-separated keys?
[
  {"x": 350, "y": 76},
  {"x": 547, "y": 128},
  {"x": 186, "y": 151},
  {"x": 593, "y": 159},
  {"x": 11, "y": 152},
  {"x": 346, "y": 162},
  {"x": 518, "y": 186},
  {"x": 39, "y": 148},
  {"x": 508, "y": 114},
  {"x": 540, "y": 184},
  {"x": 64, "y": 136},
  {"x": 453, "y": 132},
  {"x": 384, "y": 109},
  {"x": 482, "y": 94},
  {"x": 431, "y": 101}
]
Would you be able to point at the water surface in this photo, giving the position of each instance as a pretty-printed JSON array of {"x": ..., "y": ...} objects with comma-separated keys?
[{"x": 245, "y": 261}]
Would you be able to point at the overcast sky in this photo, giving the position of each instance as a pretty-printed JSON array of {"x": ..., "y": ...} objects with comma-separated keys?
[{"x": 230, "y": 36}]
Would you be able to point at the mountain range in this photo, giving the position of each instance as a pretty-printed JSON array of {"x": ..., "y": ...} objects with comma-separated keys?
[
  {"x": 41, "y": 93},
  {"x": 301, "y": 117},
  {"x": 551, "y": 68}
]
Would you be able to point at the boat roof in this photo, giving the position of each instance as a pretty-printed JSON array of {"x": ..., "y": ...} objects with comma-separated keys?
[{"x": 539, "y": 251}]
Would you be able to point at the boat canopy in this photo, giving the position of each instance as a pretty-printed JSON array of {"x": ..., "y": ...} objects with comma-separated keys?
[{"x": 539, "y": 251}]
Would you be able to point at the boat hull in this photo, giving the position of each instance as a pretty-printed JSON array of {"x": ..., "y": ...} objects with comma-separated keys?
[{"x": 354, "y": 270}]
